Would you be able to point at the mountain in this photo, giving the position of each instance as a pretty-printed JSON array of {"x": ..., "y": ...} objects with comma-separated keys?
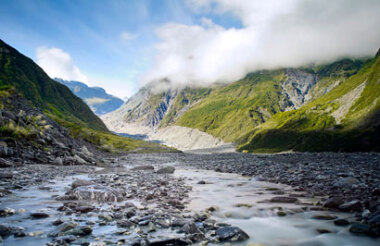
[
  {"x": 25, "y": 87},
  {"x": 249, "y": 111},
  {"x": 95, "y": 97},
  {"x": 345, "y": 118}
]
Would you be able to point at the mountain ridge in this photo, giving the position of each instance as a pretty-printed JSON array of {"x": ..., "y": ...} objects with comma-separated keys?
[
  {"x": 233, "y": 111},
  {"x": 96, "y": 98}
]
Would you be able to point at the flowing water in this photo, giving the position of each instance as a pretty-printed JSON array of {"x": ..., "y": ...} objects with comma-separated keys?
[{"x": 241, "y": 202}]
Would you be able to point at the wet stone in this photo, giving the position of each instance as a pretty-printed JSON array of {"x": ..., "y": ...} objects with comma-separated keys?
[
  {"x": 283, "y": 199},
  {"x": 231, "y": 234}
]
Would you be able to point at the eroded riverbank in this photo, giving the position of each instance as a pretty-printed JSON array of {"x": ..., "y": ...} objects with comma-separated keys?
[{"x": 136, "y": 202}]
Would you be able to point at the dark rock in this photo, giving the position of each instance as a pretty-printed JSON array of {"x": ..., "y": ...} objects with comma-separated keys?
[
  {"x": 333, "y": 202},
  {"x": 324, "y": 217},
  {"x": 5, "y": 231},
  {"x": 169, "y": 241},
  {"x": 201, "y": 182},
  {"x": 5, "y": 163},
  {"x": 341, "y": 222},
  {"x": 190, "y": 228},
  {"x": 125, "y": 223},
  {"x": 354, "y": 205},
  {"x": 39, "y": 215},
  {"x": 283, "y": 199},
  {"x": 358, "y": 228},
  {"x": 84, "y": 209},
  {"x": 80, "y": 231},
  {"x": 232, "y": 234}
]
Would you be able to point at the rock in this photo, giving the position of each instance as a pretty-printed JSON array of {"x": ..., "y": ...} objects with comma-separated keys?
[
  {"x": 63, "y": 240},
  {"x": 341, "y": 222},
  {"x": 66, "y": 226},
  {"x": 81, "y": 182},
  {"x": 7, "y": 212},
  {"x": 281, "y": 213},
  {"x": 143, "y": 168},
  {"x": 354, "y": 205},
  {"x": 107, "y": 217},
  {"x": 5, "y": 163},
  {"x": 324, "y": 217},
  {"x": 231, "y": 234},
  {"x": 80, "y": 160},
  {"x": 359, "y": 228},
  {"x": 333, "y": 202},
  {"x": 97, "y": 193},
  {"x": 85, "y": 151},
  {"x": 167, "y": 169},
  {"x": 125, "y": 223},
  {"x": 201, "y": 182},
  {"x": 5, "y": 231},
  {"x": 283, "y": 199},
  {"x": 80, "y": 231},
  {"x": 58, "y": 161},
  {"x": 84, "y": 209},
  {"x": 190, "y": 228},
  {"x": 39, "y": 215},
  {"x": 6, "y": 175},
  {"x": 323, "y": 231},
  {"x": 169, "y": 241}
]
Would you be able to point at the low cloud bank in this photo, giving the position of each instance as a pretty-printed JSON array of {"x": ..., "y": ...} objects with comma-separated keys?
[{"x": 285, "y": 33}]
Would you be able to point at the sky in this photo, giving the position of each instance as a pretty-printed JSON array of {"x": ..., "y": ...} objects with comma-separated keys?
[{"x": 121, "y": 45}]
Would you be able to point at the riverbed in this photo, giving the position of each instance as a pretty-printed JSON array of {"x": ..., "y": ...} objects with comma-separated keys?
[{"x": 153, "y": 207}]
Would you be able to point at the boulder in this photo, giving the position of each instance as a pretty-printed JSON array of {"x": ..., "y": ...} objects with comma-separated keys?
[
  {"x": 359, "y": 228},
  {"x": 39, "y": 215},
  {"x": 81, "y": 182},
  {"x": 354, "y": 205},
  {"x": 333, "y": 202},
  {"x": 5, "y": 231},
  {"x": 231, "y": 234}
]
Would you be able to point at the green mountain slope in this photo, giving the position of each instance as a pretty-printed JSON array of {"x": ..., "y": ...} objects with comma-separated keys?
[
  {"x": 233, "y": 110},
  {"x": 346, "y": 118},
  {"x": 35, "y": 85},
  {"x": 20, "y": 74}
]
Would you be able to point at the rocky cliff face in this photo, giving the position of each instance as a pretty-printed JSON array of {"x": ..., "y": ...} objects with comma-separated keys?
[
  {"x": 27, "y": 135},
  {"x": 95, "y": 97}
]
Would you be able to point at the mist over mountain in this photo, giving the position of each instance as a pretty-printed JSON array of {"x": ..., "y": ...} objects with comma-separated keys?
[
  {"x": 273, "y": 34},
  {"x": 97, "y": 98}
]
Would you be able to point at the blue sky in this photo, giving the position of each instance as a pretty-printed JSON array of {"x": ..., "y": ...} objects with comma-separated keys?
[
  {"x": 121, "y": 45},
  {"x": 91, "y": 32}
]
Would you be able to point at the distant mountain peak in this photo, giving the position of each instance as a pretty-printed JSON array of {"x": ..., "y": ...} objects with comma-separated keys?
[{"x": 96, "y": 97}]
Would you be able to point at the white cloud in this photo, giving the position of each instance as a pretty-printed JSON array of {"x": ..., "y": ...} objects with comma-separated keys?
[
  {"x": 127, "y": 36},
  {"x": 57, "y": 63},
  {"x": 275, "y": 34}
]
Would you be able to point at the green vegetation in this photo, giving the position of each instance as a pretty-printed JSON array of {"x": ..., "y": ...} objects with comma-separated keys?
[
  {"x": 19, "y": 74},
  {"x": 313, "y": 127},
  {"x": 233, "y": 110},
  {"x": 186, "y": 97},
  {"x": 35, "y": 85}
]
